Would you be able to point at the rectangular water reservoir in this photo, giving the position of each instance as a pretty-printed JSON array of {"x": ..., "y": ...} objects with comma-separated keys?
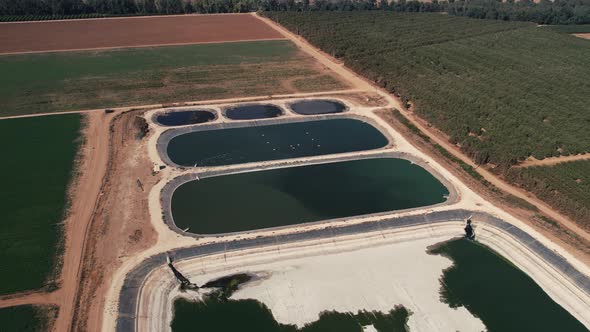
[
  {"x": 287, "y": 196},
  {"x": 269, "y": 142}
]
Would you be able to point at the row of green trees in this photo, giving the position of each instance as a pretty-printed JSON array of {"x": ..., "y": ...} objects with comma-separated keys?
[
  {"x": 74, "y": 8},
  {"x": 544, "y": 12}
]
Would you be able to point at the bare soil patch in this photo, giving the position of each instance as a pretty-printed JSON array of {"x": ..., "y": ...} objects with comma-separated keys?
[
  {"x": 131, "y": 32},
  {"x": 553, "y": 160},
  {"x": 582, "y": 35},
  {"x": 121, "y": 218}
]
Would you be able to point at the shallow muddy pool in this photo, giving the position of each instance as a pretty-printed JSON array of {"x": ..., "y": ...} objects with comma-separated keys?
[
  {"x": 311, "y": 107},
  {"x": 250, "y": 112},
  {"x": 288, "y": 196},
  {"x": 471, "y": 289},
  {"x": 273, "y": 142},
  {"x": 180, "y": 118}
]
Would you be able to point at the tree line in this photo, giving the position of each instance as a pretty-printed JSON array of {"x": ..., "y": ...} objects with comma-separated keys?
[
  {"x": 87, "y": 8},
  {"x": 544, "y": 12}
]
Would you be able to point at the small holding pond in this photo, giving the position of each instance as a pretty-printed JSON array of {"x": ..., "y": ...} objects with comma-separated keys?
[
  {"x": 312, "y": 107},
  {"x": 181, "y": 118},
  {"x": 273, "y": 142},
  {"x": 287, "y": 196},
  {"x": 251, "y": 112}
]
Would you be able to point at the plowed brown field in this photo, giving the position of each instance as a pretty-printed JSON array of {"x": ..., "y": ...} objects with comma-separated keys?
[{"x": 130, "y": 32}]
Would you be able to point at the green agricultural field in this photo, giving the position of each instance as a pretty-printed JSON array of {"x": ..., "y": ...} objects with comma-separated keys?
[
  {"x": 37, "y": 164},
  {"x": 565, "y": 186},
  {"x": 25, "y": 318},
  {"x": 501, "y": 90},
  {"x": 53, "y": 82}
]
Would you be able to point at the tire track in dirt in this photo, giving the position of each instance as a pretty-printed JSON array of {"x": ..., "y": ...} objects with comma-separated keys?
[{"x": 552, "y": 160}]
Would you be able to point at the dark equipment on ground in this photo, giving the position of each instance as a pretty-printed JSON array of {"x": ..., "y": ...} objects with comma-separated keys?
[
  {"x": 184, "y": 282},
  {"x": 469, "y": 231}
]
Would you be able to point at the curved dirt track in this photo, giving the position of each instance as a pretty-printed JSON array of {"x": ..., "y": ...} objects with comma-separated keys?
[{"x": 360, "y": 83}]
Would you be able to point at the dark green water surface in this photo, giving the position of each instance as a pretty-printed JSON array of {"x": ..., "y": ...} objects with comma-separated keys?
[
  {"x": 25, "y": 318},
  {"x": 496, "y": 291},
  {"x": 287, "y": 196},
  {"x": 273, "y": 142},
  {"x": 252, "y": 316}
]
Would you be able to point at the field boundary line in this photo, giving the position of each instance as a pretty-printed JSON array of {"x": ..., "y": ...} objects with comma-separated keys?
[
  {"x": 107, "y": 48},
  {"x": 190, "y": 103},
  {"x": 122, "y": 18}
]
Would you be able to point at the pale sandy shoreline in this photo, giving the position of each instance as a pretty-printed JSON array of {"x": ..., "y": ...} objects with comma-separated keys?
[{"x": 307, "y": 265}]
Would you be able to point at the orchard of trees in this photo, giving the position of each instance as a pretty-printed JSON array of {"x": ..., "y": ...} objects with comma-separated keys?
[
  {"x": 146, "y": 7},
  {"x": 502, "y": 91},
  {"x": 565, "y": 186},
  {"x": 544, "y": 12}
]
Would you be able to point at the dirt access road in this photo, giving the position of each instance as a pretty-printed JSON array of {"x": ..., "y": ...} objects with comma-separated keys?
[
  {"x": 553, "y": 160},
  {"x": 48, "y": 36},
  {"x": 86, "y": 193},
  {"x": 359, "y": 82}
]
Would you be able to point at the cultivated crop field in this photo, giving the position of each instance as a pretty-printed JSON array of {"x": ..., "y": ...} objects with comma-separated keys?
[
  {"x": 130, "y": 31},
  {"x": 53, "y": 82},
  {"x": 35, "y": 171},
  {"x": 565, "y": 185},
  {"x": 501, "y": 90}
]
